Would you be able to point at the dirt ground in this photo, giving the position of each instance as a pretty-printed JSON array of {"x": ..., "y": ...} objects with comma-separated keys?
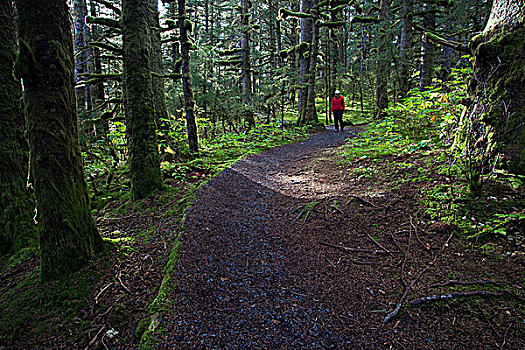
[
  {"x": 294, "y": 249},
  {"x": 287, "y": 250}
]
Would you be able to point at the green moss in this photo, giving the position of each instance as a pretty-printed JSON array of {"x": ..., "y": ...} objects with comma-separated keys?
[
  {"x": 500, "y": 83},
  {"x": 28, "y": 309}
]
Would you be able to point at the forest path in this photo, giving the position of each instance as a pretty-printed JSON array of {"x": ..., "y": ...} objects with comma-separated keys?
[
  {"x": 241, "y": 281},
  {"x": 254, "y": 272}
]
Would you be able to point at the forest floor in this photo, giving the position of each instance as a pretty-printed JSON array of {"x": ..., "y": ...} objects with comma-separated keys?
[{"x": 292, "y": 248}]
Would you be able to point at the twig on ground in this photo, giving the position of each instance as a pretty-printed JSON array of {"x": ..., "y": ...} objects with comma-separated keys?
[
  {"x": 399, "y": 304},
  {"x": 460, "y": 294},
  {"x": 355, "y": 250},
  {"x": 296, "y": 209},
  {"x": 489, "y": 321},
  {"x": 337, "y": 209},
  {"x": 102, "y": 291},
  {"x": 398, "y": 307},
  {"x": 505, "y": 337},
  {"x": 454, "y": 282},
  {"x": 433, "y": 261},
  {"x": 377, "y": 243},
  {"x": 298, "y": 216},
  {"x": 425, "y": 247},
  {"x": 123, "y": 286},
  {"x": 362, "y": 200},
  {"x": 95, "y": 337}
]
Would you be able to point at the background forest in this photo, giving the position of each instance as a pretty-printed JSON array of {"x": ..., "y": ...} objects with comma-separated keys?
[{"x": 115, "y": 112}]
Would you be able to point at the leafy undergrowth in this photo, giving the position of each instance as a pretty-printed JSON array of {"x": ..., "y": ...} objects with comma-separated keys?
[
  {"x": 488, "y": 247},
  {"x": 103, "y": 304}
]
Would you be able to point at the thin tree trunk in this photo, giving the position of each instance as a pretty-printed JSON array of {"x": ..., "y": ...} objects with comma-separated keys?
[
  {"x": 184, "y": 27},
  {"x": 245, "y": 54},
  {"x": 144, "y": 160},
  {"x": 159, "y": 93},
  {"x": 405, "y": 49},
  {"x": 68, "y": 234},
  {"x": 79, "y": 17},
  {"x": 383, "y": 60},
  {"x": 16, "y": 205},
  {"x": 427, "y": 53}
]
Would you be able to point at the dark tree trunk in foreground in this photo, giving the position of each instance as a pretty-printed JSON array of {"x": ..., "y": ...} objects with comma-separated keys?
[
  {"x": 384, "y": 59},
  {"x": 16, "y": 206},
  {"x": 144, "y": 160},
  {"x": 185, "y": 26},
  {"x": 498, "y": 87},
  {"x": 68, "y": 234}
]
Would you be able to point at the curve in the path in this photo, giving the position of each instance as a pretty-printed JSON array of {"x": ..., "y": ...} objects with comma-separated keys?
[{"x": 237, "y": 269}]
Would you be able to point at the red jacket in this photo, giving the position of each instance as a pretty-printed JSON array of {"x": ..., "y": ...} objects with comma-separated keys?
[{"x": 338, "y": 104}]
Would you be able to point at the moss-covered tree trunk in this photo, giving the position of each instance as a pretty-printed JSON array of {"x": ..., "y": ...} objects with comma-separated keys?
[
  {"x": 68, "y": 234},
  {"x": 189, "y": 103},
  {"x": 144, "y": 160},
  {"x": 498, "y": 87},
  {"x": 384, "y": 59},
  {"x": 311, "y": 112},
  {"x": 16, "y": 205},
  {"x": 159, "y": 92},
  {"x": 305, "y": 46}
]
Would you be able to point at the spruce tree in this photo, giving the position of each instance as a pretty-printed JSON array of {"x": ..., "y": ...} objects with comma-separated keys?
[{"x": 144, "y": 160}]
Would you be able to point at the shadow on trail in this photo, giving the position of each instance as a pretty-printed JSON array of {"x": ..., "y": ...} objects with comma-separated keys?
[{"x": 238, "y": 269}]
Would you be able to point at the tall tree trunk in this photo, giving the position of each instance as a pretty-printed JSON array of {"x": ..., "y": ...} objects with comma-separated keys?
[
  {"x": 16, "y": 205},
  {"x": 305, "y": 46},
  {"x": 384, "y": 59},
  {"x": 159, "y": 92},
  {"x": 405, "y": 49},
  {"x": 498, "y": 89},
  {"x": 184, "y": 27},
  {"x": 68, "y": 234},
  {"x": 79, "y": 18},
  {"x": 311, "y": 114},
  {"x": 245, "y": 53},
  {"x": 427, "y": 52},
  {"x": 144, "y": 160}
]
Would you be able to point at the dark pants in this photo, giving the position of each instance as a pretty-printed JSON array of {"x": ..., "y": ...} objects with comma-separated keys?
[{"x": 338, "y": 119}]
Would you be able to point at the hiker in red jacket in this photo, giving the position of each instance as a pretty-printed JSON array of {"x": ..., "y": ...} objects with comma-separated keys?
[{"x": 338, "y": 108}]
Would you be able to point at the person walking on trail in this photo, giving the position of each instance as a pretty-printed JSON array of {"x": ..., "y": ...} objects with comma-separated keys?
[{"x": 338, "y": 108}]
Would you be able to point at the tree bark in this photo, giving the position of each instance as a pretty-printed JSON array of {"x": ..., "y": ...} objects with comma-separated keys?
[
  {"x": 384, "y": 60},
  {"x": 427, "y": 52},
  {"x": 159, "y": 92},
  {"x": 305, "y": 46},
  {"x": 68, "y": 234},
  {"x": 405, "y": 49},
  {"x": 144, "y": 160},
  {"x": 16, "y": 205},
  {"x": 189, "y": 103},
  {"x": 79, "y": 19},
  {"x": 245, "y": 53},
  {"x": 497, "y": 88}
]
